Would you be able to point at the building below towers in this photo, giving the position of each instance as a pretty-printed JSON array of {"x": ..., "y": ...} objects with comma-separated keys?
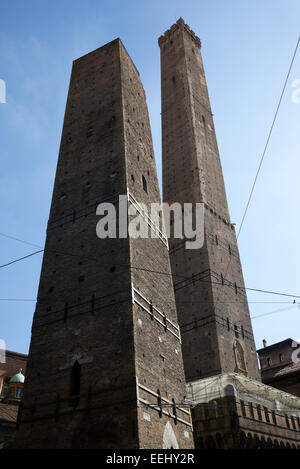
[
  {"x": 12, "y": 371},
  {"x": 232, "y": 411},
  {"x": 280, "y": 365}
]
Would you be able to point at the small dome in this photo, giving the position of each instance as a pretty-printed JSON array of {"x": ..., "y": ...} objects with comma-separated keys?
[{"x": 18, "y": 378}]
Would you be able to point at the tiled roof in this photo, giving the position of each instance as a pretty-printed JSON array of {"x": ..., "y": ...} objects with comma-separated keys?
[
  {"x": 16, "y": 354},
  {"x": 266, "y": 350},
  {"x": 8, "y": 412},
  {"x": 281, "y": 372}
]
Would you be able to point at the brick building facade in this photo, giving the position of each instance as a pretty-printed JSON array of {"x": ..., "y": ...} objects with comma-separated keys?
[
  {"x": 280, "y": 365},
  {"x": 14, "y": 362}
]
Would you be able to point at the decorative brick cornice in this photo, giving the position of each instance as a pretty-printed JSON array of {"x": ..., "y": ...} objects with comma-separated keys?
[{"x": 180, "y": 24}]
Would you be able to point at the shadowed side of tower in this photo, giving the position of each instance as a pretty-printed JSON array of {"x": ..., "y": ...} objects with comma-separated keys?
[
  {"x": 105, "y": 367},
  {"x": 211, "y": 301}
]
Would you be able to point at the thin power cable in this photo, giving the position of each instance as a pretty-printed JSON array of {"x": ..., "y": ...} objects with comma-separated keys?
[
  {"x": 273, "y": 312},
  {"x": 198, "y": 302},
  {"x": 269, "y": 136},
  {"x": 265, "y": 150},
  {"x": 20, "y": 259},
  {"x": 156, "y": 272},
  {"x": 17, "y": 299},
  {"x": 92, "y": 259},
  {"x": 20, "y": 240}
]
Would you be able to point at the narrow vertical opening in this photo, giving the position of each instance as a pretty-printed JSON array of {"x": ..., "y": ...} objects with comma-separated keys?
[
  {"x": 144, "y": 184},
  {"x": 159, "y": 403},
  {"x": 75, "y": 384}
]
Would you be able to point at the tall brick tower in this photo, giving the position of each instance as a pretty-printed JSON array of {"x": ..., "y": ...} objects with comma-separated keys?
[
  {"x": 105, "y": 367},
  {"x": 211, "y": 301}
]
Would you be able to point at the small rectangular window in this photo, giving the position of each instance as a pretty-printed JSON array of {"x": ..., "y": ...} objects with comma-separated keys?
[
  {"x": 251, "y": 410},
  {"x": 243, "y": 408},
  {"x": 259, "y": 412},
  {"x": 267, "y": 414},
  {"x": 287, "y": 421}
]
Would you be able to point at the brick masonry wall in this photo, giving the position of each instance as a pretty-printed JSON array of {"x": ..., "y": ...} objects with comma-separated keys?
[
  {"x": 229, "y": 423},
  {"x": 85, "y": 311},
  {"x": 214, "y": 318}
]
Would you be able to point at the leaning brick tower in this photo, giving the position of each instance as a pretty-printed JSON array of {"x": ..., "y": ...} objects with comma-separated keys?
[
  {"x": 105, "y": 365},
  {"x": 211, "y": 302}
]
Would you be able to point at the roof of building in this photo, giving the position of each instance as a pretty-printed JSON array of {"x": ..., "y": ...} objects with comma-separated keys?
[
  {"x": 280, "y": 372},
  {"x": 8, "y": 412},
  {"x": 274, "y": 346},
  {"x": 16, "y": 354}
]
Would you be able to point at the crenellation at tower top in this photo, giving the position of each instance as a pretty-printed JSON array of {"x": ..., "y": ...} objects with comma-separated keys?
[{"x": 179, "y": 25}]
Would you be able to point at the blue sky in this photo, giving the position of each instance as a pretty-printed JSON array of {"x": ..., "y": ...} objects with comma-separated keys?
[{"x": 246, "y": 46}]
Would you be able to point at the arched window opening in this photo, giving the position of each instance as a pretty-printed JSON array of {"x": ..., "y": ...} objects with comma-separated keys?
[
  {"x": 219, "y": 441},
  {"x": 210, "y": 443}
]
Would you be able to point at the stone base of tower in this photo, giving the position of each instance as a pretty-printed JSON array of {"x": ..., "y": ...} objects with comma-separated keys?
[
  {"x": 127, "y": 417},
  {"x": 232, "y": 411}
]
